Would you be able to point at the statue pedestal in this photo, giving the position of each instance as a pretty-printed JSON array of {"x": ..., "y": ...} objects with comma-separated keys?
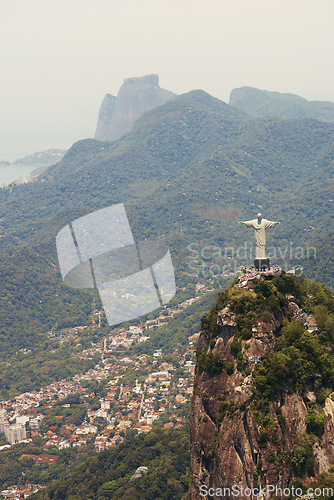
[{"x": 261, "y": 264}]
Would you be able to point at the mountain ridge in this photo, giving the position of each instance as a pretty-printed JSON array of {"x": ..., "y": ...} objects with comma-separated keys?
[
  {"x": 187, "y": 172},
  {"x": 172, "y": 158},
  {"x": 265, "y": 103}
]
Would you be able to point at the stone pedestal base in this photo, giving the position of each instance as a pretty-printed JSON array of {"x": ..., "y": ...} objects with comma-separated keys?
[{"x": 261, "y": 264}]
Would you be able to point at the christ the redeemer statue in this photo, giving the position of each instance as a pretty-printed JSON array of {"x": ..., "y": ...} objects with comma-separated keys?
[{"x": 260, "y": 225}]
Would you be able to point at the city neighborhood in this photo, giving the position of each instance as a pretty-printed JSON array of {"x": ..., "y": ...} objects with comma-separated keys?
[{"x": 72, "y": 414}]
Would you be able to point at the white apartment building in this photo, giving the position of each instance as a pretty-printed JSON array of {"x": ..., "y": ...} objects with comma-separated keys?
[{"x": 15, "y": 433}]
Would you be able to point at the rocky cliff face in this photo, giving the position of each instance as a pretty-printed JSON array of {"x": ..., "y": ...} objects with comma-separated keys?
[
  {"x": 136, "y": 96},
  {"x": 105, "y": 116},
  {"x": 261, "y": 412},
  {"x": 263, "y": 103}
]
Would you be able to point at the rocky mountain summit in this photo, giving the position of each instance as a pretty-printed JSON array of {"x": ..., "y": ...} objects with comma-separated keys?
[
  {"x": 264, "y": 103},
  {"x": 136, "y": 96},
  {"x": 262, "y": 409}
]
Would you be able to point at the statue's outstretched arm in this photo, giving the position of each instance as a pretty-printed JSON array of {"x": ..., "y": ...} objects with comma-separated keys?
[
  {"x": 270, "y": 223},
  {"x": 248, "y": 223}
]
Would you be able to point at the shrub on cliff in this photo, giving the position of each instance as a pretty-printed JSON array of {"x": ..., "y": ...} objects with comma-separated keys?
[
  {"x": 302, "y": 460},
  {"x": 213, "y": 363},
  {"x": 315, "y": 422}
]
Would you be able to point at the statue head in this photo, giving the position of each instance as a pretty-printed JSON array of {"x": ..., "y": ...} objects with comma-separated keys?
[{"x": 259, "y": 216}]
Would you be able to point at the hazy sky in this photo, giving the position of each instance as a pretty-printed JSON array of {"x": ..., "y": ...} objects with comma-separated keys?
[{"x": 60, "y": 57}]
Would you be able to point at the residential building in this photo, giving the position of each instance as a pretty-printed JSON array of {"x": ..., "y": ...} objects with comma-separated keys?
[{"x": 15, "y": 433}]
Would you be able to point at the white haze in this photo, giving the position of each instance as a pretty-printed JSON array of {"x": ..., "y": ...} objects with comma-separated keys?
[{"x": 60, "y": 57}]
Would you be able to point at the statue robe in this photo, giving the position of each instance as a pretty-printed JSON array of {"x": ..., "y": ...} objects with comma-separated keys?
[{"x": 260, "y": 234}]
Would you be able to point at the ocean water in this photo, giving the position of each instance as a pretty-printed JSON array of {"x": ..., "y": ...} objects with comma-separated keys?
[{"x": 11, "y": 172}]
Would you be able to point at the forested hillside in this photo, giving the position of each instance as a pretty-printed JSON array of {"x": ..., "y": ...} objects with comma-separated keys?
[
  {"x": 164, "y": 454},
  {"x": 264, "y": 103},
  {"x": 186, "y": 173},
  {"x": 189, "y": 170},
  {"x": 194, "y": 161}
]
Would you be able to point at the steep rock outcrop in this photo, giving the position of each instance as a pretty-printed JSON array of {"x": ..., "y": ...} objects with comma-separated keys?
[
  {"x": 252, "y": 422},
  {"x": 105, "y": 116},
  {"x": 264, "y": 103},
  {"x": 136, "y": 96}
]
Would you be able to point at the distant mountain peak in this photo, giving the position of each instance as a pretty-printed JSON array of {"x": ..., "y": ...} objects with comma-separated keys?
[
  {"x": 151, "y": 79},
  {"x": 136, "y": 96},
  {"x": 265, "y": 103}
]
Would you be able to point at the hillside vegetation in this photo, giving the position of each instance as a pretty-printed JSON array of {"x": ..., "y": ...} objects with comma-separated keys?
[
  {"x": 263, "y": 103},
  {"x": 263, "y": 392},
  {"x": 165, "y": 453},
  {"x": 187, "y": 172}
]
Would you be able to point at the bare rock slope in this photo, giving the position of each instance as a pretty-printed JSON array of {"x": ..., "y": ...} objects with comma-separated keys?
[{"x": 136, "y": 96}]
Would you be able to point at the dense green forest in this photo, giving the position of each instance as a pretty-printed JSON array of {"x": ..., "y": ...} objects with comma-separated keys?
[
  {"x": 34, "y": 300},
  {"x": 165, "y": 453},
  {"x": 194, "y": 163},
  {"x": 187, "y": 172}
]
